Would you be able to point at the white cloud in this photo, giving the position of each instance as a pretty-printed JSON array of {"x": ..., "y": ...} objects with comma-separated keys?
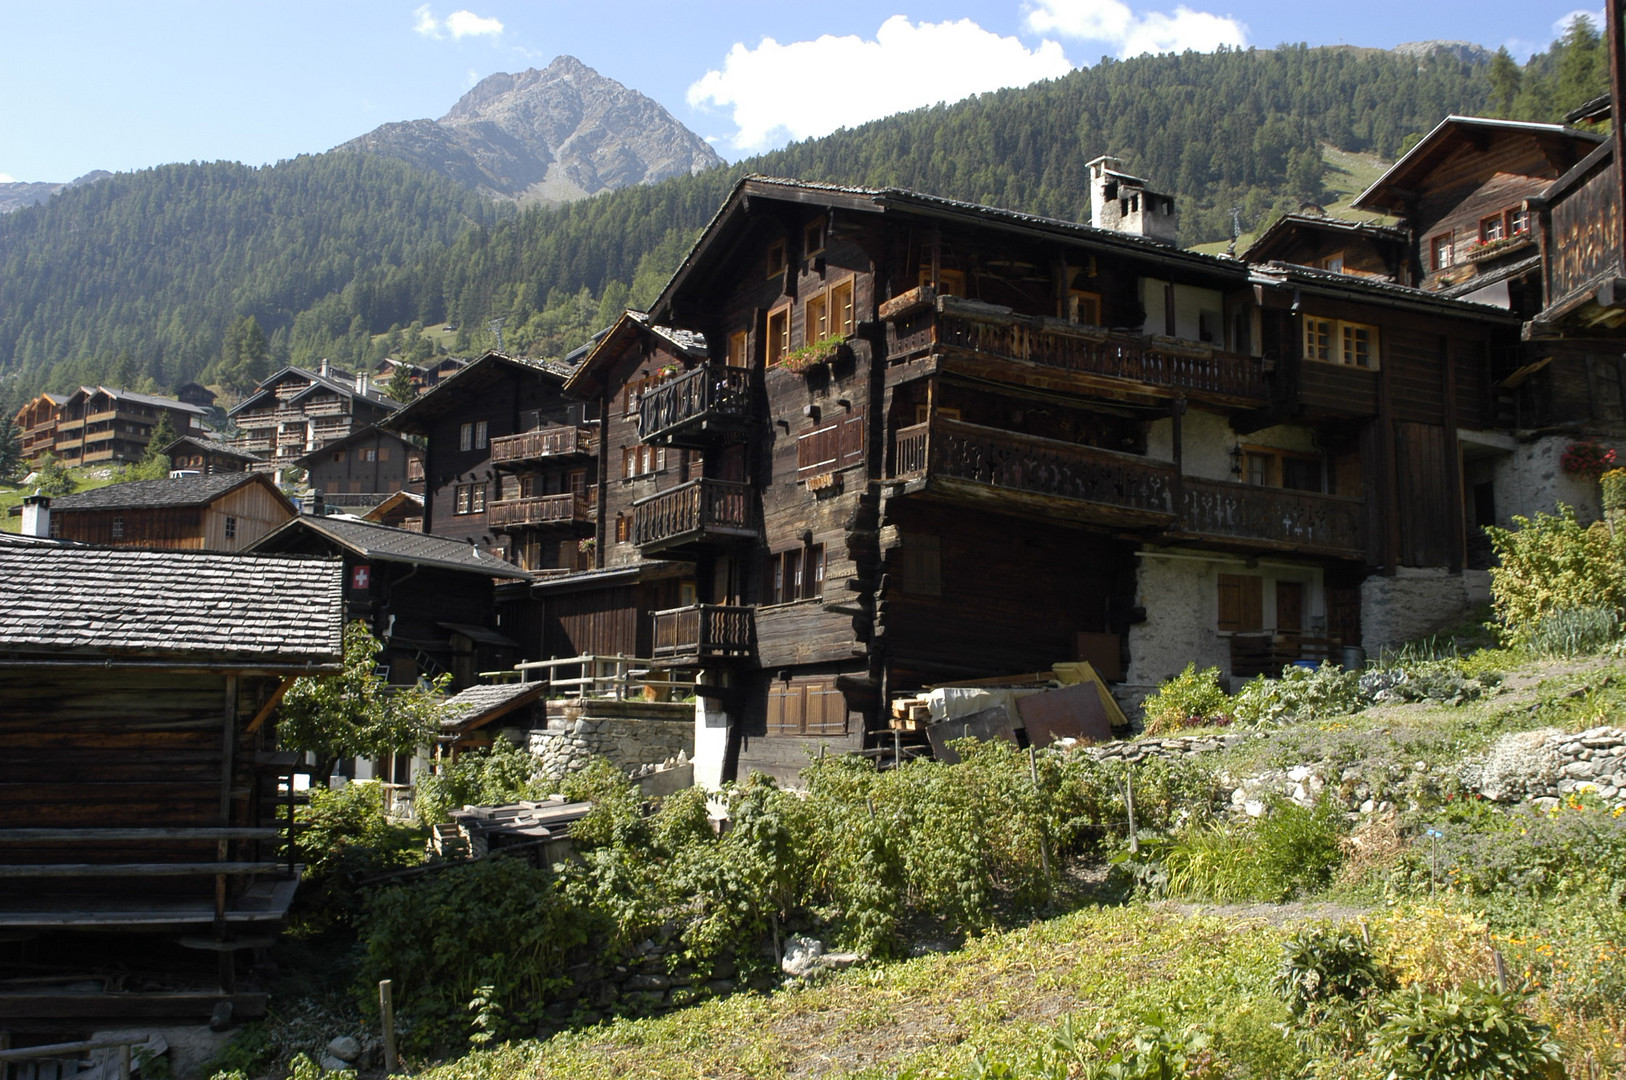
[
  {"x": 1113, "y": 22},
  {"x": 1563, "y": 24},
  {"x": 905, "y": 66},
  {"x": 459, "y": 24}
]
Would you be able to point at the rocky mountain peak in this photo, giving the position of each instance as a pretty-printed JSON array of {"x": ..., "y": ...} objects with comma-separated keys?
[{"x": 547, "y": 135}]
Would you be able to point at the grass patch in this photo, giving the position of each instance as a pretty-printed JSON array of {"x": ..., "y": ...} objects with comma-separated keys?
[{"x": 12, "y": 495}]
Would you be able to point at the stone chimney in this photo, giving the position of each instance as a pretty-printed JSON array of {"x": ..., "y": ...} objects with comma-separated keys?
[
  {"x": 324, "y": 368},
  {"x": 36, "y": 515},
  {"x": 364, "y": 382},
  {"x": 1123, "y": 203}
]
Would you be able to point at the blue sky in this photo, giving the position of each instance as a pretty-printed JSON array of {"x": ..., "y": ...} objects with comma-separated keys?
[{"x": 122, "y": 84}]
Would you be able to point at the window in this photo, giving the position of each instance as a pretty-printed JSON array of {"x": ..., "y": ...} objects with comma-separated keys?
[
  {"x": 1267, "y": 466},
  {"x": 1518, "y": 222},
  {"x": 831, "y": 446},
  {"x": 949, "y": 282},
  {"x": 806, "y": 707},
  {"x": 231, "y": 528},
  {"x": 480, "y": 435},
  {"x": 1241, "y": 603},
  {"x": 640, "y": 461},
  {"x": 797, "y": 574},
  {"x": 338, "y": 455},
  {"x": 778, "y": 335},
  {"x": 465, "y": 437},
  {"x": 1338, "y": 342},
  {"x": 816, "y": 318},
  {"x": 1333, "y": 262},
  {"x": 776, "y": 258},
  {"x": 623, "y": 528},
  {"x": 813, "y": 237},
  {"x": 1441, "y": 252},
  {"x": 118, "y": 528},
  {"x": 471, "y": 499},
  {"x": 369, "y": 454},
  {"x": 842, "y": 322},
  {"x": 1492, "y": 228},
  {"x": 738, "y": 349},
  {"x": 1083, "y": 307}
]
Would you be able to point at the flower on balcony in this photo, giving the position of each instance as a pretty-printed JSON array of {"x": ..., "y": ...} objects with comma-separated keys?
[
  {"x": 1484, "y": 249},
  {"x": 668, "y": 371},
  {"x": 811, "y": 356},
  {"x": 587, "y": 545},
  {"x": 1587, "y": 458}
]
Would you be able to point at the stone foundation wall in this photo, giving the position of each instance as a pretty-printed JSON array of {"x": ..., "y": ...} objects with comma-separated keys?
[
  {"x": 569, "y": 742},
  {"x": 1416, "y": 603},
  {"x": 1532, "y": 480}
]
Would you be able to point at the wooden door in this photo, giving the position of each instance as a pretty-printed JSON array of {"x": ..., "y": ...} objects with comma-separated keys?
[{"x": 1289, "y": 605}]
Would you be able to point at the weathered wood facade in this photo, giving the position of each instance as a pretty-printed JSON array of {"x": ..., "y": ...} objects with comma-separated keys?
[
  {"x": 103, "y": 426},
  {"x": 222, "y": 512},
  {"x": 296, "y": 411},
  {"x": 140, "y": 787},
  {"x": 363, "y": 468}
]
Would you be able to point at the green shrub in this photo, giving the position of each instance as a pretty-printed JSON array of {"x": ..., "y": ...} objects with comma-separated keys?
[
  {"x": 1289, "y": 850},
  {"x": 1553, "y": 563},
  {"x": 1190, "y": 699},
  {"x": 498, "y": 928},
  {"x": 492, "y": 776},
  {"x": 345, "y": 836},
  {"x": 1299, "y": 694},
  {"x": 1475, "y": 1033},
  {"x": 1330, "y": 982}
]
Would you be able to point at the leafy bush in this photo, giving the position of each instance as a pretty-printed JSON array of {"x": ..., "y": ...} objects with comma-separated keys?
[
  {"x": 488, "y": 776},
  {"x": 1330, "y": 982},
  {"x": 499, "y": 927},
  {"x": 1553, "y": 563},
  {"x": 1299, "y": 694},
  {"x": 1442, "y": 680},
  {"x": 1475, "y": 1033},
  {"x": 344, "y": 836},
  {"x": 1190, "y": 699}
]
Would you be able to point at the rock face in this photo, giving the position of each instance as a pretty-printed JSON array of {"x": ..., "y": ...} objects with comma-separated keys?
[
  {"x": 17, "y": 194},
  {"x": 553, "y": 135}
]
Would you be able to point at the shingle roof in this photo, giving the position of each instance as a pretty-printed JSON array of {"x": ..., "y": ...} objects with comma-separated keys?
[
  {"x": 1330, "y": 281},
  {"x": 479, "y": 704},
  {"x": 210, "y": 446},
  {"x": 145, "y": 494},
  {"x": 371, "y": 540},
  {"x": 133, "y": 604},
  {"x": 472, "y": 378}
]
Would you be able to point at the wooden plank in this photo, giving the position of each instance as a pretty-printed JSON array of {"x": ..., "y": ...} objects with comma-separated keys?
[
  {"x": 102, "y": 835},
  {"x": 136, "y": 1006},
  {"x": 134, "y": 870},
  {"x": 271, "y": 703}
]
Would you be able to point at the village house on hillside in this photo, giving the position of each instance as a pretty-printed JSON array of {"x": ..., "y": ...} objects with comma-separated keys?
[
  {"x": 145, "y": 810},
  {"x": 220, "y": 512},
  {"x": 296, "y": 411},
  {"x": 99, "y": 425},
  {"x": 207, "y": 456},
  {"x": 362, "y": 469}
]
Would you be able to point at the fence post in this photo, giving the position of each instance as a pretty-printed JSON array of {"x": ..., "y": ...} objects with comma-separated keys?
[
  {"x": 1129, "y": 803},
  {"x": 386, "y": 1012},
  {"x": 1044, "y": 840}
]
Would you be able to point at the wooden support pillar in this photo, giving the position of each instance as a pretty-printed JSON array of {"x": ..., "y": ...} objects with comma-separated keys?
[
  {"x": 1453, "y": 458},
  {"x": 1177, "y": 411},
  {"x": 1613, "y": 29},
  {"x": 228, "y": 771}
]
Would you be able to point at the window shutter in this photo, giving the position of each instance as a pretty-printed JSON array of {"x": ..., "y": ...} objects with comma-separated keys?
[
  {"x": 851, "y": 449},
  {"x": 1241, "y": 603},
  {"x": 817, "y": 451}
]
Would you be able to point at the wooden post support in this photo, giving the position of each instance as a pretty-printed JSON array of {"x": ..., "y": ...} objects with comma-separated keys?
[
  {"x": 124, "y": 1062},
  {"x": 1129, "y": 804},
  {"x": 386, "y": 1013}
]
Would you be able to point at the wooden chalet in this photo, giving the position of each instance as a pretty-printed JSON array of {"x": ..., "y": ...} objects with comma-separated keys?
[
  {"x": 929, "y": 440},
  {"x": 402, "y": 510},
  {"x": 206, "y": 456},
  {"x": 296, "y": 411},
  {"x": 145, "y": 812},
  {"x": 103, "y": 426},
  {"x": 362, "y": 469},
  {"x": 509, "y": 464},
  {"x": 222, "y": 512},
  {"x": 429, "y": 599},
  {"x": 36, "y": 425},
  {"x": 1340, "y": 245}
]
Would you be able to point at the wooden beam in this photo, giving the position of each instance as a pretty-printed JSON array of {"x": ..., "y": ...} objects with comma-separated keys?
[
  {"x": 72, "y": 836},
  {"x": 1613, "y": 31},
  {"x": 270, "y": 705}
]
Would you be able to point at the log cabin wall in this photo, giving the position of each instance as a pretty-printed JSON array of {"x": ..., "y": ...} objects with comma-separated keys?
[{"x": 104, "y": 748}]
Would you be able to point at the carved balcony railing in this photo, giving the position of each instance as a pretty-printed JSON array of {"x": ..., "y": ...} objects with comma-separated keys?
[
  {"x": 1154, "y": 365},
  {"x": 1276, "y": 517},
  {"x": 702, "y": 632},
  {"x": 1583, "y": 238},
  {"x": 540, "y": 510},
  {"x": 541, "y": 445},
  {"x": 710, "y": 400},
  {"x": 700, "y": 511},
  {"x": 989, "y": 466},
  {"x": 1085, "y": 482}
]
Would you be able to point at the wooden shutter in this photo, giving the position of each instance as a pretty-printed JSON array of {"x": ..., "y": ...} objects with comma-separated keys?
[
  {"x": 1241, "y": 602},
  {"x": 826, "y": 709},
  {"x": 818, "y": 450},
  {"x": 851, "y": 448}
]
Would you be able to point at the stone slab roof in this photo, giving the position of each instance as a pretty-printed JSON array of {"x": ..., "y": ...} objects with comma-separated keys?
[
  {"x": 370, "y": 540},
  {"x": 213, "y": 446},
  {"x": 132, "y": 604},
  {"x": 149, "y": 494},
  {"x": 481, "y": 704}
]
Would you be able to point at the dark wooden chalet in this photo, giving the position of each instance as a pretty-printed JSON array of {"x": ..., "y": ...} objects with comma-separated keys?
[
  {"x": 402, "y": 510},
  {"x": 296, "y": 411},
  {"x": 36, "y": 424},
  {"x": 206, "y": 456},
  {"x": 509, "y": 464},
  {"x": 362, "y": 469},
  {"x": 99, "y": 425},
  {"x": 429, "y": 599},
  {"x": 141, "y": 793},
  {"x": 1359, "y": 248},
  {"x": 930, "y": 440},
  {"x": 222, "y": 512}
]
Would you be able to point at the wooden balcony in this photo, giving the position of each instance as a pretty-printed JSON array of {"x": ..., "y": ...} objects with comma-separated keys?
[
  {"x": 704, "y": 632},
  {"x": 697, "y": 407},
  {"x": 1021, "y": 474},
  {"x": 675, "y": 522},
  {"x": 541, "y": 445},
  {"x": 569, "y": 509},
  {"x": 1585, "y": 281},
  {"x": 996, "y": 343}
]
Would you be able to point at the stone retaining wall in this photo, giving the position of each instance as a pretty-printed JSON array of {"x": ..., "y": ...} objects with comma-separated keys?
[{"x": 568, "y": 743}]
